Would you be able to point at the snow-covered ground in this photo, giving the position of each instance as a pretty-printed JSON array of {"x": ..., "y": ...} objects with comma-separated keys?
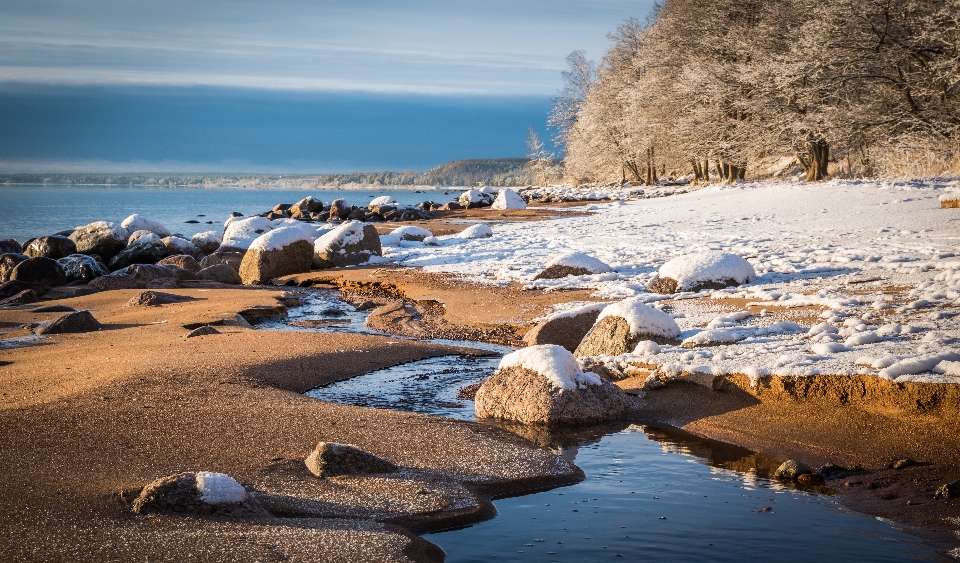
[{"x": 877, "y": 262}]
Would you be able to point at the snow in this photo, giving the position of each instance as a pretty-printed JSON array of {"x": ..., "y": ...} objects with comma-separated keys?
[
  {"x": 282, "y": 237},
  {"x": 200, "y": 239},
  {"x": 146, "y": 239},
  {"x": 642, "y": 318},
  {"x": 508, "y": 199},
  {"x": 382, "y": 200},
  {"x": 883, "y": 248},
  {"x": 476, "y": 231},
  {"x": 950, "y": 196},
  {"x": 405, "y": 234},
  {"x": 647, "y": 348},
  {"x": 556, "y": 363},
  {"x": 473, "y": 196},
  {"x": 580, "y": 260},
  {"x": 243, "y": 231},
  {"x": 948, "y": 368},
  {"x": 137, "y": 223},
  {"x": 350, "y": 232},
  {"x": 712, "y": 337},
  {"x": 573, "y": 309},
  {"x": 693, "y": 269},
  {"x": 114, "y": 230},
  {"x": 219, "y": 488},
  {"x": 178, "y": 245},
  {"x": 919, "y": 364}
]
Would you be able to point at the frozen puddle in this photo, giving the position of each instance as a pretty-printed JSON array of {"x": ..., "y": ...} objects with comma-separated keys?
[{"x": 651, "y": 494}]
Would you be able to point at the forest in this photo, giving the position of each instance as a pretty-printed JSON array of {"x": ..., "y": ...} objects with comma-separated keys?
[{"x": 724, "y": 89}]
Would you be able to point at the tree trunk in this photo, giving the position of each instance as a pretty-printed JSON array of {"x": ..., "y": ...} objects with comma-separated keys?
[{"x": 814, "y": 158}]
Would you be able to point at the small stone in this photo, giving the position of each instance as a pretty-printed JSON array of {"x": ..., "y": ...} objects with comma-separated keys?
[
  {"x": 155, "y": 299},
  {"x": 948, "y": 490},
  {"x": 330, "y": 459},
  {"x": 202, "y": 331},
  {"x": 791, "y": 469},
  {"x": 902, "y": 464},
  {"x": 24, "y": 297},
  {"x": 810, "y": 479},
  {"x": 203, "y": 492},
  {"x": 557, "y": 271}
]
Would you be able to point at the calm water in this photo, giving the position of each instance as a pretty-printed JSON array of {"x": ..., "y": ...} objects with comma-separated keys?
[
  {"x": 32, "y": 211},
  {"x": 651, "y": 494}
]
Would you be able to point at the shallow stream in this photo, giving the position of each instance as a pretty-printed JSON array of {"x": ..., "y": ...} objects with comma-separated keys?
[{"x": 652, "y": 494}]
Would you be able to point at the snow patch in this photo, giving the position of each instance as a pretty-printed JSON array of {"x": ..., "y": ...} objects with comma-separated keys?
[
  {"x": 242, "y": 232},
  {"x": 580, "y": 260},
  {"x": 219, "y": 488},
  {"x": 138, "y": 223},
  {"x": 642, "y": 318}
]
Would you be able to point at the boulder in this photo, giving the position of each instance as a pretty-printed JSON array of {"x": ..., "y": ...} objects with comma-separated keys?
[
  {"x": 703, "y": 270},
  {"x": 116, "y": 280},
  {"x": 220, "y": 273},
  {"x": 137, "y": 235},
  {"x": 471, "y": 199},
  {"x": 227, "y": 258},
  {"x": 80, "y": 267},
  {"x": 176, "y": 245},
  {"x": 306, "y": 205},
  {"x": 11, "y": 288},
  {"x": 207, "y": 242},
  {"x": 792, "y": 469},
  {"x": 80, "y": 321},
  {"x": 340, "y": 209},
  {"x": 104, "y": 239},
  {"x": 948, "y": 490},
  {"x": 41, "y": 271},
  {"x": 181, "y": 273},
  {"x": 330, "y": 459},
  {"x": 152, "y": 277},
  {"x": 565, "y": 329},
  {"x": 10, "y": 246},
  {"x": 411, "y": 233},
  {"x": 508, "y": 199},
  {"x": 280, "y": 252},
  {"x": 184, "y": 261},
  {"x": 572, "y": 264},
  {"x": 449, "y": 206},
  {"x": 139, "y": 223},
  {"x": 351, "y": 243},
  {"x": 203, "y": 492},
  {"x": 25, "y": 296},
  {"x": 148, "y": 249},
  {"x": 8, "y": 262},
  {"x": 621, "y": 326},
  {"x": 544, "y": 385},
  {"x": 50, "y": 247}
]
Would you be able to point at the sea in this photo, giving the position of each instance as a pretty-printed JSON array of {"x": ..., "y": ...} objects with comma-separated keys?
[{"x": 29, "y": 211}]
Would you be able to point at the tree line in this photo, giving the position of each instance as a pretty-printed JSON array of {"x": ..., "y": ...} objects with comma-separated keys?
[{"x": 723, "y": 87}]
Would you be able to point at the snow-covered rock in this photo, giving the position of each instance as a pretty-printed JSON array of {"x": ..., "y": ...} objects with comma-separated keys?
[
  {"x": 475, "y": 198},
  {"x": 950, "y": 200},
  {"x": 622, "y": 325},
  {"x": 207, "y": 242},
  {"x": 476, "y": 231},
  {"x": 572, "y": 264},
  {"x": 407, "y": 233},
  {"x": 508, "y": 199},
  {"x": 351, "y": 243},
  {"x": 242, "y": 232},
  {"x": 565, "y": 328},
  {"x": 382, "y": 200},
  {"x": 203, "y": 492},
  {"x": 280, "y": 252},
  {"x": 139, "y": 223},
  {"x": 177, "y": 245},
  {"x": 148, "y": 249},
  {"x": 545, "y": 385},
  {"x": 703, "y": 270}
]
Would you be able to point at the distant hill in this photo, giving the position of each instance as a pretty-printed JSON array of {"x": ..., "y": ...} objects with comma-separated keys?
[{"x": 486, "y": 171}]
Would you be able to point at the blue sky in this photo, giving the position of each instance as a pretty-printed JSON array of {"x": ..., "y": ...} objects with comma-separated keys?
[{"x": 297, "y": 86}]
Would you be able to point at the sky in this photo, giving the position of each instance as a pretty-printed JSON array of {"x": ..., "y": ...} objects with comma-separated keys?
[{"x": 286, "y": 85}]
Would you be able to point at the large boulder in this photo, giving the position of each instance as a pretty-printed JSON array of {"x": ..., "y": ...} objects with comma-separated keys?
[
  {"x": 8, "y": 262},
  {"x": 184, "y": 261},
  {"x": 240, "y": 233},
  {"x": 544, "y": 385},
  {"x": 80, "y": 267},
  {"x": 330, "y": 459},
  {"x": 22, "y": 298},
  {"x": 351, "y": 243},
  {"x": 340, "y": 209},
  {"x": 703, "y": 270},
  {"x": 280, "y": 252},
  {"x": 10, "y": 246},
  {"x": 220, "y": 273},
  {"x": 566, "y": 328},
  {"x": 508, "y": 199},
  {"x": 203, "y": 492},
  {"x": 227, "y": 258},
  {"x": 153, "y": 277},
  {"x": 305, "y": 206},
  {"x": 621, "y": 326},
  {"x": 101, "y": 238},
  {"x": 116, "y": 280},
  {"x": 53, "y": 247},
  {"x": 139, "y": 223},
  {"x": 572, "y": 264},
  {"x": 40, "y": 271},
  {"x": 148, "y": 249},
  {"x": 12, "y": 288},
  {"x": 475, "y": 198},
  {"x": 207, "y": 242},
  {"x": 176, "y": 245},
  {"x": 79, "y": 321}
]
